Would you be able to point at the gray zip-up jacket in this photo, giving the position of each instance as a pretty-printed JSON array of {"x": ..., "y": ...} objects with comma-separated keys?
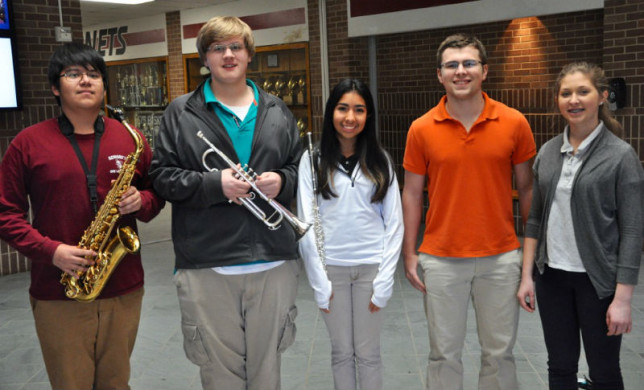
[
  {"x": 607, "y": 205},
  {"x": 207, "y": 230}
]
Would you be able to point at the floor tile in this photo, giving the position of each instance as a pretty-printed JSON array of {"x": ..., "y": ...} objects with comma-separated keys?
[{"x": 158, "y": 360}]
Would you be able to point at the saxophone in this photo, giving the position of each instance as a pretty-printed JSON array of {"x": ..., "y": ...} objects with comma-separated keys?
[{"x": 111, "y": 246}]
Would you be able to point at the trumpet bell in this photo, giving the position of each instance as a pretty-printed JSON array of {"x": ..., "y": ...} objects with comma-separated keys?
[{"x": 300, "y": 228}]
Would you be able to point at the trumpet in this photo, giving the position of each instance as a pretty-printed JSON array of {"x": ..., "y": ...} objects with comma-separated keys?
[{"x": 273, "y": 221}]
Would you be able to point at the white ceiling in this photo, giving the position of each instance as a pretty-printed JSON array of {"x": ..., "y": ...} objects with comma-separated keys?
[{"x": 93, "y": 13}]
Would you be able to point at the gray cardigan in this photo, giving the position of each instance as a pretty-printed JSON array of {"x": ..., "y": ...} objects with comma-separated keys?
[{"x": 607, "y": 206}]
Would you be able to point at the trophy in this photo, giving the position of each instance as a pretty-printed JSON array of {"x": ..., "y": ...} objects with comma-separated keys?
[
  {"x": 301, "y": 126},
  {"x": 267, "y": 85},
  {"x": 279, "y": 85},
  {"x": 292, "y": 84},
  {"x": 301, "y": 95},
  {"x": 123, "y": 81}
]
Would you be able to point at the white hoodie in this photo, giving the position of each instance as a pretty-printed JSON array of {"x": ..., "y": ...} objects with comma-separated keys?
[{"x": 356, "y": 231}]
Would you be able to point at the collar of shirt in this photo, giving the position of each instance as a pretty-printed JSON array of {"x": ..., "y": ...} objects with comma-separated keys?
[
  {"x": 210, "y": 97},
  {"x": 349, "y": 163},
  {"x": 489, "y": 110},
  {"x": 567, "y": 148},
  {"x": 240, "y": 131}
]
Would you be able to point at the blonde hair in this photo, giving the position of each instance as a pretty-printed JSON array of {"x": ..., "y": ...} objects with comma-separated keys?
[
  {"x": 598, "y": 78},
  {"x": 219, "y": 29}
]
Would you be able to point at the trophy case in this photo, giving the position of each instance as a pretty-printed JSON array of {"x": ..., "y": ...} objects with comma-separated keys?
[
  {"x": 281, "y": 70},
  {"x": 140, "y": 88}
]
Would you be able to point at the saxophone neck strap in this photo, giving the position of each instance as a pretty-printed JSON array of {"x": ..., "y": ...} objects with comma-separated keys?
[{"x": 67, "y": 129}]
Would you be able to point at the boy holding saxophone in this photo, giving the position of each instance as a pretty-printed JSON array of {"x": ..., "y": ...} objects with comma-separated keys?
[{"x": 64, "y": 168}]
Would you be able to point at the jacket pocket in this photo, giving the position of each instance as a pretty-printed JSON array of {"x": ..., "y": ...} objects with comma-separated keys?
[
  {"x": 193, "y": 345},
  {"x": 288, "y": 332}
]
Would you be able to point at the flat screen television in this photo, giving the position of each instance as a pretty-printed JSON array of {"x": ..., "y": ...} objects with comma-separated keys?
[{"x": 10, "y": 92}]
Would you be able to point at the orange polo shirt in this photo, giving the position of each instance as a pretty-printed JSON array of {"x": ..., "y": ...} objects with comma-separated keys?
[{"x": 469, "y": 178}]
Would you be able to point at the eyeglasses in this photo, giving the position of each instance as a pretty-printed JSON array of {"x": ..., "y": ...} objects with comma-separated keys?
[
  {"x": 221, "y": 49},
  {"x": 453, "y": 65},
  {"x": 74, "y": 75}
]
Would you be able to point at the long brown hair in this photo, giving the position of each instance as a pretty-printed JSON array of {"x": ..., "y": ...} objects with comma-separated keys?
[
  {"x": 597, "y": 77},
  {"x": 374, "y": 162}
]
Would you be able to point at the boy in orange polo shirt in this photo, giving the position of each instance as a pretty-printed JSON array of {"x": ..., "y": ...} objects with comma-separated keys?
[{"x": 467, "y": 147}]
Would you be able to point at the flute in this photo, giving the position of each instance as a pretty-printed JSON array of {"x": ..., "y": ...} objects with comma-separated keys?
[{"x": 317, "y": 223}]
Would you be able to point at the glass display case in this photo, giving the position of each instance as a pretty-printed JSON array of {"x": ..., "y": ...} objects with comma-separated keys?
[
  {"x": 140, "y": 88},
  {"x": 282, "y": 70}
]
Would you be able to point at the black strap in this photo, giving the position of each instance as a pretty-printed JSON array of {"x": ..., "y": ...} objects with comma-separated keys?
[{"x": 67, "y": 129}]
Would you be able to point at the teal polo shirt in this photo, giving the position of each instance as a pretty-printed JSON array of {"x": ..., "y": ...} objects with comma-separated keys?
[{"x": 240, "y": 131}]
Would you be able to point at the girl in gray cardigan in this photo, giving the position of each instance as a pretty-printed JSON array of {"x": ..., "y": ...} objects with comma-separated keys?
[{"x": 584, "y": 234}]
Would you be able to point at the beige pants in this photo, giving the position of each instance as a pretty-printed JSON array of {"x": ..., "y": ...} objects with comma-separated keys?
[
  {"x": 235, "y": 327},
  {"x": 354, "y": 331},
  {"x": 492, "y": 283},
  {"x": 88, "y": 345}
]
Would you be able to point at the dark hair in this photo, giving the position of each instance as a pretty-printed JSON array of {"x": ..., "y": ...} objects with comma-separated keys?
[
  {"x": 74, "y": 53},
  {"x": 373, "y": 159},
  {"x": 597, "y": 77},
  {"x": 459, "y": 41}
]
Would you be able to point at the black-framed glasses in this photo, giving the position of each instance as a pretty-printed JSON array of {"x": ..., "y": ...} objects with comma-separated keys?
[
  {"x": 235, "y": 47},
  {"x": 453, "y": 65},
  {"x": 75, "y": 75}
]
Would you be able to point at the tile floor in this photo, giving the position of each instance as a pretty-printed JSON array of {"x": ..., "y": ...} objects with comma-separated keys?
[{"x": 158, "y": 361}]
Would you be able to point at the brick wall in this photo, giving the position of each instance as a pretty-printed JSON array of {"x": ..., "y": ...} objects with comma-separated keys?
[
  {"x": 35, "y": 21},
  {"x": 347, "y": 57},
  {"x": 315, "y": 71},
  {"x": 175, "y": 57},
  {"x": 525, "y": 55},
  {"x": 623, "y": 56}
]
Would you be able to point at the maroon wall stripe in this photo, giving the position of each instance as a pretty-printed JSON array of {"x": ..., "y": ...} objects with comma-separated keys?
[
  {"x": 287, "y": 17},
  {"x": 191, "y": 30},
  {"x": 374, "y": 7},
  {"x": 142, "y": 37}
]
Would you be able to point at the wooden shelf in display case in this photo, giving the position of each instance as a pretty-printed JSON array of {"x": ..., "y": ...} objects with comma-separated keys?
[
  {"x": 140, "y": 88},
  {"x": 282, "y": 70}
]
